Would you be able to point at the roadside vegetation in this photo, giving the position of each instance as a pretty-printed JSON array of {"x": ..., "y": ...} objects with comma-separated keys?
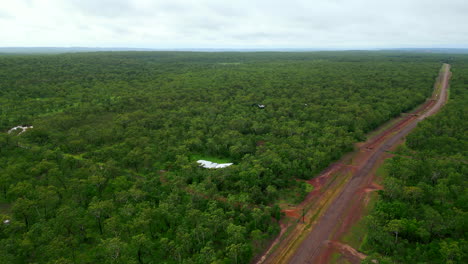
[
  {"x": 108, "y": 174},
  {"x": 421, "y": 215}
]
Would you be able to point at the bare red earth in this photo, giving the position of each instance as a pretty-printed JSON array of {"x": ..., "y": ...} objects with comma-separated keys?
[
  {"x": 342, "y": 191},
  {"x": 349, "y": 253}
]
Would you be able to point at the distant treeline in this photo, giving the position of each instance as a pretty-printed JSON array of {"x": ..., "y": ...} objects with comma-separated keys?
[{"x": 107, "y": 174}]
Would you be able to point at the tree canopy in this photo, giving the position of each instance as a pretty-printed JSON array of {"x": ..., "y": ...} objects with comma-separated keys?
[
  {"x": 108, "y": 172},
  {"x": 421, "y": 216}
]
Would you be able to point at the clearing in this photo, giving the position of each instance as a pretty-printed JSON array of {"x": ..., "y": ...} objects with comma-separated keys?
[{"x": 341, "y": 191}]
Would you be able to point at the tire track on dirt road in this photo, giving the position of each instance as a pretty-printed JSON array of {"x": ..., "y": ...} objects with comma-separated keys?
[
  {"x": 311, "y": 247},
  {"x": 327, "y": 210}
]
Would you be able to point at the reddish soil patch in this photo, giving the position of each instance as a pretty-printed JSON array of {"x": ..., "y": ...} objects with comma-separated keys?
[
  {"x": 352, "y": 255},
  {"x": 319, "y": 181},
  {"x": 336, "y": 203},
  {"x": 293, "y": 213},
  {"x": 373, "y": 187},
  {"x": 388, "y": 139}
]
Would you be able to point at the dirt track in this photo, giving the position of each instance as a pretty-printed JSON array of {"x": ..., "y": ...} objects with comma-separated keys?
[{"x": 339, "y": 195}]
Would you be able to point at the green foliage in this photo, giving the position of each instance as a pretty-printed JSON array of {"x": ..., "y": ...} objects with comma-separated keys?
[
  {"x": 107, "y": 174},
  {"x": 421, "y": 215}
]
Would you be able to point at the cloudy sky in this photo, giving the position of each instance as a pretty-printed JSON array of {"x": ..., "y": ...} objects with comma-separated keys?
[{"x": 166, "y": 24}]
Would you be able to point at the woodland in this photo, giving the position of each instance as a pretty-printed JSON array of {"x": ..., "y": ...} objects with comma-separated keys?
[
  {"x": 108, "y": 172},
  {"x": 421, "y": 215}
]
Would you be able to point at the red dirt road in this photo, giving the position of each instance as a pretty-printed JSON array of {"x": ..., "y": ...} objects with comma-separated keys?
[{"x": 340, "y": 192}]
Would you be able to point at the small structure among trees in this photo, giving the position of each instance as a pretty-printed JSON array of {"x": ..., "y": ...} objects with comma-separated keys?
[
  {"x": 261, "y": 106},
  {"x": 212, "y": 165},
  {"x": 22, "y": 128}
]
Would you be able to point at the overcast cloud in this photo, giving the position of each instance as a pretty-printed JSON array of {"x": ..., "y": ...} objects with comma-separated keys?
[{"x": 170, "y": 24}]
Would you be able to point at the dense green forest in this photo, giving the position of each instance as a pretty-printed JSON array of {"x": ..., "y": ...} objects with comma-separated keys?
[
  {"x": 421, "y": 216},
  {"x": 107, "y": 174}
]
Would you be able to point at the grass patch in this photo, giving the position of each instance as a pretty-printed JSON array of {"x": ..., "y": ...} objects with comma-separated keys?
[
  {"x": 196, "y": 157},
  {"x": 308, "y": 187},
  {"x": 380, "y": 175},
  {"x": 381, "y": 172},
  {"x": 294, "y": 194},
  {"x": 335, "y": 257},
  {"x": 287, "y": 199},
  {"x": 356, "y": 237},
  {"x": 338, "y": 258}
]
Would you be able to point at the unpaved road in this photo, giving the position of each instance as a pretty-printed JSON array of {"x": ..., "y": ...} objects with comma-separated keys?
[{"x": 330, "y": 207}]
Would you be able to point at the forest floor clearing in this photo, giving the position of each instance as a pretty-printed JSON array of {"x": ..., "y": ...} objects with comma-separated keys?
[{"x": 341, "y": 192}]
